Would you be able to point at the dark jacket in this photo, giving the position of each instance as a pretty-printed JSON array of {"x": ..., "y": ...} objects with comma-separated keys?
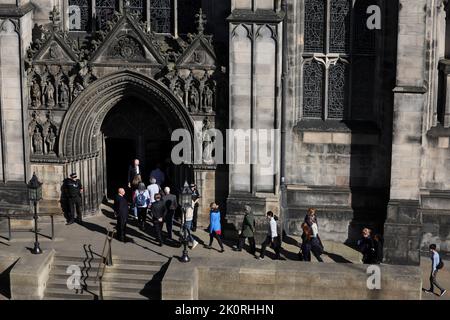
[
  {"x": 72, "y": 188},
  {"x": 248, "y": 226},
  {"x": 367, "y": 248},
  {"x": 132, "y": 173},
  {"x": 159, "y": 210},
  {"x": 170, "y": 201},
  {"x": 121, "y": 207}
]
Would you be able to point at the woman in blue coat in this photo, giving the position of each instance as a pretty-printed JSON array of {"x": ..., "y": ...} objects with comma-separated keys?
[{"x": 215, "y": 229}]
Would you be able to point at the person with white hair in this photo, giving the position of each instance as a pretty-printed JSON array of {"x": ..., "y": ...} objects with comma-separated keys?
[{"x": 170, "y": 200}]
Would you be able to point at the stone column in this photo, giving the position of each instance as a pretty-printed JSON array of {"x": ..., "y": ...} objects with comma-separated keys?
[
  {"x": 403, "y": 226},
  {"x": 255, "y": 108},
  {"x": 15, "y": 31}
]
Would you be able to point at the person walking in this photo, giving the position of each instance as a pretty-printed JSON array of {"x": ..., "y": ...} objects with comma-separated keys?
[
  {"x": 272, "y": 237},
  {"x": 153, "y": 188},
  {"x": 367, "y": 247},
  {"x": 141, "y": 203},
  {"x": 134, "y": 179},
  {"x": 187, "y": 224},
  {"x": 74, "y": 189},
  {"x": 248, "y": 231},
  {"x": 310, "y": 243},
  {"x": 196, "y": 199},
  {"x": 170, "y": 200},
  {"x": 159, "y": 211},
  {"x": 121, "y": 210},
  {"x": 314, "y": 243},
  {"x": 134, "y": 175},
  {"x": 436, "y": 265},
  {"x": 215, "y": 229}
]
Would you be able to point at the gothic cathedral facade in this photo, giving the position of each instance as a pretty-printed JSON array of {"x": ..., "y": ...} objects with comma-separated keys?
[{"x": 355, "y": 90}]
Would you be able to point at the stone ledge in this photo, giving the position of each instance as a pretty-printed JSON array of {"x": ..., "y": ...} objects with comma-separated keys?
[
  {"x": 248, "y": 280},
  {"x": 247, "y": 15},
  {"x": 10, "y": 10}
]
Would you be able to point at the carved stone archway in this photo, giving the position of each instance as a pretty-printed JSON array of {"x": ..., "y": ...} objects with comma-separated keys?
[{"x": 81, "y": 142}]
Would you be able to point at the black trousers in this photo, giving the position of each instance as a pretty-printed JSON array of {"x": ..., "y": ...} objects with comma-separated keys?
[
  {"x": 169, "y": 222},
  {"x": 142, "y": 216},
  {"x": 121, "y": 228},
  {"x": 213, "y": 235},
  {"x": 311, "y": 246},
  {"x": 276, "y": 245},
  {"x": 158, "y": 230},
  {"x": 433, "y": 281},
  {"x": 75, "y": 208},
  {"x": 251, "y": 241},
  {"x": 194, "y": 218}
]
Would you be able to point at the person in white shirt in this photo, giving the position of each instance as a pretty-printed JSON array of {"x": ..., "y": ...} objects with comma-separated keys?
[
  {"x": 272, "y": 237},
  {"x": 153, "y": 189},
  {"x": 436, "y": 265}
]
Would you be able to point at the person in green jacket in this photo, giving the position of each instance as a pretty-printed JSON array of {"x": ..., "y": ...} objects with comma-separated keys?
[{"x": 248, "y": 231}]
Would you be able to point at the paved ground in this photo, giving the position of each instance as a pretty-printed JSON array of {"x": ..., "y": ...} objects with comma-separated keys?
[{"x": 71, "y": 240}]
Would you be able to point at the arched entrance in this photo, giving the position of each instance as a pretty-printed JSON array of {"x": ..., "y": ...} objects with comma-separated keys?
[{"x": 118, "y": 118}]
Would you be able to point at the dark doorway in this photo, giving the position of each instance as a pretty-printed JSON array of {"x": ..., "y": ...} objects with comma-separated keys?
[
  {"x": 118, "y": 153},
  {"x": 135, "y": 129}
]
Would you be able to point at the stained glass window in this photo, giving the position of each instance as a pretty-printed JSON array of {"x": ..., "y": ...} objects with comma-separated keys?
[
  {"x": 339, "y": 26},
  {"x": 161, "y": 16},
  {"x": 337, "y": 90},
  {"x": 314, "y": 25},
  {"x": 138, "y": 7},
  {"x": 326, "y": 81},
  {"x": 313, "y": 78},
  {"x": 79, "y": 15},
  {"x": 104, "y": 11}
]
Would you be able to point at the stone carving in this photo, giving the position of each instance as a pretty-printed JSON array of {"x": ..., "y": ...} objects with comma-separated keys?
[
  {"x": 208, "y": 99},
  {"x": 194, "y": 99},
  {"x": 127, "y": 48},
  {"x": 36, "y": 94},
  {"x": 50, "y": 141},
  {"x": 49, "y": 94},
  {"x": 63, "y": 98},
  {"x": 208, "y": 142},
  {"x": 37, "y": 142}
]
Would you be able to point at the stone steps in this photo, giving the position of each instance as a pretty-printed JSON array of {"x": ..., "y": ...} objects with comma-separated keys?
[{"x": 126, "y": 279}]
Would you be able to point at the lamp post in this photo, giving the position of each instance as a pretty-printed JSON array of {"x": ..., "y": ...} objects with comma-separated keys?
[
  {"x": 185, "y": 201},
  {"x": 34, "y": 195}
]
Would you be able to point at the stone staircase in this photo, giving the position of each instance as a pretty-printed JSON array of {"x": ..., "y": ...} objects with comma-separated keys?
[{"x": 125, "y": 280}]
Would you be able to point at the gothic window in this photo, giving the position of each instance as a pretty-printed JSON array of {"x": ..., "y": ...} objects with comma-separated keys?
[
  {"x": 161, "y": 16},
  {"x": 335, "y": 35},
  {"x": 104, "y": 12},
  {"x": 138, "y": 7},
  {"x": 79, "y": 15}
]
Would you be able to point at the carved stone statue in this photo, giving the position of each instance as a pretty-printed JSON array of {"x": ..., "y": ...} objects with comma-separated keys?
[
  {"x": 50, "y": 140},
  {"x": 179, "y": 91},
  {"x": 49, "y": 94},
  {"x": 208, "y": 145},
  {"x": 78, "y": 88},
  {"x": 36, "y": 94},
  {"x": 194, "y": 99},
  {"x": 37, "y": 142},
  {"x": 63, "y": 94},
  {"x": 208, "y": 99}
]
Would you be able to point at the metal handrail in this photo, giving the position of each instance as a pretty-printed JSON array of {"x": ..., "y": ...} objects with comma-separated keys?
[{"x": 106, "y": 260}]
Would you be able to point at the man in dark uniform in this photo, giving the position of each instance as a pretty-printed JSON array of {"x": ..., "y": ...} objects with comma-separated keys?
[
  {"x": 195, "y": 198},
  {"x": 159, "y": 211},
  {"x": 121, "y": 210},
  {"x": 73, "y": 189}
]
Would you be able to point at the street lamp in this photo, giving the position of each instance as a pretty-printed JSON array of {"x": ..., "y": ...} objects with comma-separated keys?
[
  {"x": 35, "y": 194},
  {"x": 185, "y": 201}
]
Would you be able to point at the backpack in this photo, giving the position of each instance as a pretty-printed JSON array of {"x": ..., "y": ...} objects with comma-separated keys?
[
  {"x": 141, "y": 200},
  {"x": 440, "y": 264}
]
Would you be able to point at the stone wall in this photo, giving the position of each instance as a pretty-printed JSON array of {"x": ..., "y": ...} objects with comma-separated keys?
[{"x": 224, "y": 279}]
